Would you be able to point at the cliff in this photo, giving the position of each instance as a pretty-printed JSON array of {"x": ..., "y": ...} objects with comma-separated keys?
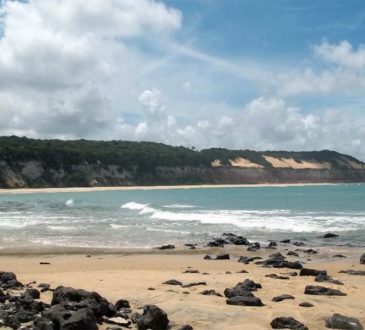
[{"x": 54, "y": 163}]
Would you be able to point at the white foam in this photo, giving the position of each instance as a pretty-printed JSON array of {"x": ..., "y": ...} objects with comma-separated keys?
[
  {"x": 133, "y": 206},
  {"x": 61, "y": 228},
  {"x": 70, "y": 202},
  {"x": 179, "y": 206},
  {"x": 180, "y": 232}
]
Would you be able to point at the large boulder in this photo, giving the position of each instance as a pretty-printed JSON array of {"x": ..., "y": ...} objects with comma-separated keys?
[
  {"x": 153, "y": 318},
  {"x": 322, "y": 291},
  {"x": 338, "y": 321},
  {"x": 242, "y": 289},
  {"x": 244, "y": 301}
]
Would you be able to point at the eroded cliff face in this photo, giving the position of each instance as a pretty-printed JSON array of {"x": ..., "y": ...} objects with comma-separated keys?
[{"x": 35, "y": 174}]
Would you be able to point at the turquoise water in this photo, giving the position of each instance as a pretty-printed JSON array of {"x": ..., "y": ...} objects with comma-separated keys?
[{"x": 147, "y": 218}]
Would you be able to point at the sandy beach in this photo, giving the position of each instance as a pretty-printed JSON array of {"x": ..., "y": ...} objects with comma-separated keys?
[
  {"x": 116, "y": 188},
  {"x": 131, "y": 275}
]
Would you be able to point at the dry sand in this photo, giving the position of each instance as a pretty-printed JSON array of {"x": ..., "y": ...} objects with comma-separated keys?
[{"x": 128, "y": 275}]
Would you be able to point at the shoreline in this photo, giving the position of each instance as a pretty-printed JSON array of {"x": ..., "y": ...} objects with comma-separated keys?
[{"x": 162, "y": 187}]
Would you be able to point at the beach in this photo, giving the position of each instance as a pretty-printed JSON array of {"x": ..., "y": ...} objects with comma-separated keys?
[{"x": 137, "y": 276}]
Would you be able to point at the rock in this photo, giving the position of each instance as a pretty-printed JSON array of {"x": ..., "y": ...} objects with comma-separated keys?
[
  {"x": 282, "y": 297},
  {"x": 277, "y": 277},
  {"x": 34, "y": 293},
  {"x": 306, "y": 304},
  {"x": 152, "y": 318},
  {"x": 244, "y": 301},
  {"x": 189, "y": 285},
  {"x": 287, "y": 323},
  {"x": 322, "y": 291},
  {"x": 247, "y": 260},
  {"x": 326, "y": 278},
  {"x": 291, "y": 273},
  {"x": 242, "y": 289},
  {"x": 308, "y": 251},
  {"x": 298, "y": 243},
  {"x": 339, "y": 256},
  {"x": 236, "y": 240},
  {"x": 292, "y": 253},
  {"x": 173, "y": 282},
  {"x": 311, "y": 272},
  {"x": 79, "y": 298},
  {"x": 362, "y": 259},
  {"x": 44, "y": 263},
  {"x": 186, "y": 327},
  {"x": 218, "y": 242},
  {"x": 279, "y": 263},
  {"x": 242, "y": 271},
  {"x": 353, "y": 272},
  {"x": 43, "y": 324},
  {"x": 44, "y": 287},
  {"x": 254, "y": 247},
  {"x": 166, "y": 247},
  {"x": 272, "y": 244},
  {"x": 285, "y": 241},
  {"x": 210, "y": 293},
  {"x": 122, "y": 303},
  {"x": 12, "y": 322},
  {"x": 330, "y": 235},
  {"x": 191, "y": 271},
  {"x": 134, "y": 317},
  {"x": 223, "y": 256},
  {"x": 338, "y": 321}
]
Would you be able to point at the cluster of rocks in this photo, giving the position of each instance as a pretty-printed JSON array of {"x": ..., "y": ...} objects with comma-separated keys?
[{"x": 70, "y": 309}]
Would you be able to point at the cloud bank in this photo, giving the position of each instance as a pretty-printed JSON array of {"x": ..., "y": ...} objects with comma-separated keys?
[{"x": 116, "y": 69}]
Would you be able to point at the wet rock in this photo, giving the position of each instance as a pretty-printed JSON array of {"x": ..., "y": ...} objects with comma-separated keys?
[
  {"x": 244, "y": 301},
  {"x": 189, "y": 285},
  {"x": 235, "y": 239},
  {"x": 272, "y": 244},
  {"x": 338, "y": 321},
  {"x": 293, "y": 254},
  {"x": 322, "y": 291},
  {"x": 311, "y": 272},
  {"x": 218, "y": 242},
  {"x": 173, "y": 282},
  {"x": 282, "y": 297},
  {"x": 254, "y": 247},
  {"x": 326, "y": 278},
  {"x": 362, "y": 259},
  {"x": 330, "y": 235},
  {"x": 353, "y": 272},
  {"x": 287, "y": 323},
  {"x": 306, "y": 304},
  {"x": 210, "y": 293},
  {"x": 298, "y": 243},
  {"x": 285, "y": 241},
  {"x": 166, "y": 247},
  {"x": 152, "y": 318}
]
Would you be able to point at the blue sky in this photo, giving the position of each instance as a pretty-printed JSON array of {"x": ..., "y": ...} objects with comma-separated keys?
[{"x": 244, "y": 74}]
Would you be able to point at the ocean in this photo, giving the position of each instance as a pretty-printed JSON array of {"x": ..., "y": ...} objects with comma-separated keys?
[{"x": 149, "y": 218}]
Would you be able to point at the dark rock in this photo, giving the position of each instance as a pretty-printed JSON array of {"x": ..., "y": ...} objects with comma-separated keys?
[
  {"x": 244, "y": 301},
  {"x": 311, "y": 272},
  {"x": 134, "y": 317},
  {"x": 282, "y": 297},
  {"x": 242, "y": 289},
  {"x": 210, "y": 293},
  {"x": 306, "y": 304},
  {"x": 152, "y": 318},
  {"x": 353, "y": 272},
  {"x": 298, "y": 243},
  {"x": 326, "y": 278},
  {"x": 24, "y": 316},
  {"x": 338, "y": 321},
  {"x": 166, "y": 247},
  {"x": 227, "y": 272},
  {"x": 279, "y": 263},
  {"x": 12, "y": 322},
  {"x": 223, "y": 256},
  {"x": 285, "y": 241},
  {"x": 277, "y": 277},
  {"x": 173, "y": 282},
  {"x": 44, "y": 263},
  {"x": 34, "y": 293},
  {"x": 330, "y": 235},
  {"x": 122, "y": 303},
  {"x": 339, "y": 256},
  {"x": 247, "y": 260},
  {"x": 308, "y": 251},
  {"x": 362, "y": 259},
  {"x": 44, "y": 287},
  {"x": 254, "y": 247},
  {"x": 218, "y": 242},
  {"x": 79, "y": 298},
  {"x": 43, "y": 324},
  {"x": 191, "y": 271},
  {"x": 287, "y": 323},
  {"x": 242, "y": 271},
  {"x": 272, "y": 244},
  {"x": 322, "y": 291},
  {"x": 292, "y": 253},
  {"x": 291, "y": 273},
  {"x": 189, "y": 285},
  {"x": 186, "y": 327}
]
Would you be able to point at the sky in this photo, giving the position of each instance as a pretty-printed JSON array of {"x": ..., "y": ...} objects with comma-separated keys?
[{"x": 239, "y": 74}]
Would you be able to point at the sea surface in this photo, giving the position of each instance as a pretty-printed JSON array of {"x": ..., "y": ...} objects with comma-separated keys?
[{"x": 149, "y": 218}]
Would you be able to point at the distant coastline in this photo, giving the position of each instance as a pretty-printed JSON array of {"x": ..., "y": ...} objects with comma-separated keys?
[{"x": 126, "y": 188}]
